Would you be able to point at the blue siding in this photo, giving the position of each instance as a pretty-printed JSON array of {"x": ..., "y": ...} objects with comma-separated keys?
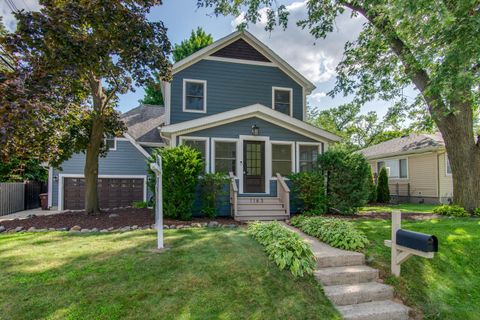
[
  {"x": 231, "y": 86},
  {"x": 125, "y": 160}
]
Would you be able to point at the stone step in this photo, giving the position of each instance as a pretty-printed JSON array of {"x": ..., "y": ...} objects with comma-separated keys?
[
  {"x": 376, "y": 310},
  {"x": 346, "y": 275},
  {"x": 258, "y": 200},
  {"x": 338, "y": 258},
  {"x": 261, "y": 206},
  {"x": 346, "y": 294},
  {"x": 261, "y": 212},
  {"x": 258, "y": 217}
]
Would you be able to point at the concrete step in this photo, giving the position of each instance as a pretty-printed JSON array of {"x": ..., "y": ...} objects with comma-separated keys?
[
  {"x": 346, "y": 275},
  {"x": 376, "y": 310},
  {"x": 258, "y": 200},
  {"x": 258, "y": 217},
  {"x": 338, "y": 258},
  {"x": 346, "y": 294},
  {"x": 261, "y": 212},
  {"x": 261, "y": 206}
]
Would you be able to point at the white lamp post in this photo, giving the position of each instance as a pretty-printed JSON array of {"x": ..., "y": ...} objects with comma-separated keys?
[{"x": 157, "y": 168}]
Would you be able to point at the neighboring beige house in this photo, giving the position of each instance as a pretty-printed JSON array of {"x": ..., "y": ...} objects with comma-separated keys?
[{"x": 417, "y": 167}]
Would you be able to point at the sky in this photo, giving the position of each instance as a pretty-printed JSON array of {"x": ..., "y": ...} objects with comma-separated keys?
[{"x": 315, "y": 59}]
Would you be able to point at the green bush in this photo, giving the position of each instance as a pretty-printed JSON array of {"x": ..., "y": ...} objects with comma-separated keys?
[
  {"x": 451, "y": 210},
  {"x": 335, "y": 232},
  {"x": 309, "y": 189},
  {"x": 372, "y": 195},
  {"x": 347, "y": 176},
  {"x": 383, "y": 192},
  {"x": 284, "y": 247},
  {"x": 181, "y": 167},
  {"x": 476, "y": 212},
  {"x": 140, "y": 204},
  {"x": 212, "y": 188}
]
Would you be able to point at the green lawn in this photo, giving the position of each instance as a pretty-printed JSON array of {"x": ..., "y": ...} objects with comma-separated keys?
[
  {"x": 446, "y": 287},
  {"x": 207, "y": 274},
  {"x": 404, "y": 207}
]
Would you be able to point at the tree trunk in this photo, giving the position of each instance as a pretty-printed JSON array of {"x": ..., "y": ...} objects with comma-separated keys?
[{"x": 93, "y": 148}]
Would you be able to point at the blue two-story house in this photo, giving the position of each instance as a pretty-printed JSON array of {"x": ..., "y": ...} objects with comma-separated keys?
[{"x": 241, "y": 106}]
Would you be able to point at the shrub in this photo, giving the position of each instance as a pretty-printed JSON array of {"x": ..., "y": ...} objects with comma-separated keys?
[
  {"x": 337, "y": 233},
  {"x": 347, "y": 179},
  {"x": 476, "y": 212},
  {"x": 383, "y": 192},
  {"x": 212, "y": 188},
  {"x": 372, "y": 195},
  {"x": 181, "y": 167},
  {"x": 284, "y": 247},
  {"x": 451, "y": 210},
  {"x": 140, "y": 204},
  {"x": 309, "y": 189}
]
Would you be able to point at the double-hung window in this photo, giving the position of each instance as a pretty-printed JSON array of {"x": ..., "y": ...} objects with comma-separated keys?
[
  {"x": 200, "y": 145},
  {"x": 308, "y": 155},
  {"x": 194, "y": 95},
  {"x": 396, "y": 168},
  {"x": 282, "y": 100},
  {"x": 281, "y": 159},
  {"x": 225, "y": 157}
]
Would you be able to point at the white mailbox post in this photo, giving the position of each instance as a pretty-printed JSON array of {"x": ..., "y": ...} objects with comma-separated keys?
[{"x": 157, "y": 168}]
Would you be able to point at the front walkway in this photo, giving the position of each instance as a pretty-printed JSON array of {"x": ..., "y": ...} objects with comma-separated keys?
[
  {"x": 26, "y": 213},
  {"x": 351, "y": 285}
]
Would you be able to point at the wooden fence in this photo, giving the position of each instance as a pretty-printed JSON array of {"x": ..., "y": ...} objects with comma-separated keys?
[{"x": 12, "y": 197}]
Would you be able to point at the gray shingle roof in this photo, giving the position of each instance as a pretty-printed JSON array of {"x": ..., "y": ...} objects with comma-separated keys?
[
  {"x": 143, "y": 122},
  {"x": 408, "y": 144}
]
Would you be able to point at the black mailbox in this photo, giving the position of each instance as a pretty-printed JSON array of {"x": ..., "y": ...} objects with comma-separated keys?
[{"x": 417, "y": 241}]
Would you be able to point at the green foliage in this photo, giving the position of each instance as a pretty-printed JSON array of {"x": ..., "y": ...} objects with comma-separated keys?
[
  {"x": 348, "y": 177},
  {"x": 17, "y": 170},
  {"x": 309, "y": 188},
  {"x": 153, "y": 95},
  {"x": 212, "y": 187},
  {"x": 199, "y": 39},
  {"x": 337, "y": 233},
  {"x": 451, "y": 210},
  {"x": 476, "y": 212},
  {"x": 140, "y": 204},
  {"x": 284, "y": 247},
  {"x": 383, "y": 192},
  {"x": 181, "y": 167},
  {"x": 371, "y": 186}
]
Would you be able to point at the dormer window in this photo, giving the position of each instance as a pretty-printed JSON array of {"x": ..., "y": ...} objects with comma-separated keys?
[
  {"x": 282, "y": 100},
  {"x": 110, "y": 143},
  {"x": 194, "y": 95}
]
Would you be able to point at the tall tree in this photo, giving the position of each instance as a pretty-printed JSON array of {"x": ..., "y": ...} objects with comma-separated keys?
[
  {"x": 430, "y": 44},
  {"x": 91, "y": 51},
  {"x": 198, "y": 40}
]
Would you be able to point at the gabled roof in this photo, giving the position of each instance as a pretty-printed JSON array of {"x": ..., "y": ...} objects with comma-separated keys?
[
  {"x": 413, "y": 143},
  {"x": 257, "y": 44},
  {"x": 142, "y": 123},
  {"x": 256, "y": 110}
]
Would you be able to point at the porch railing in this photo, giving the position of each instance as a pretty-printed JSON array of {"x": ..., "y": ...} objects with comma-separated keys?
[
  {"x": 233, "y": 194},
  {"x": 283, "y": 193}
]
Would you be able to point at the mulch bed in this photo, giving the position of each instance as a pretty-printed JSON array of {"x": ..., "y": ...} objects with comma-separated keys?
[{"x": 126, "y": 217}]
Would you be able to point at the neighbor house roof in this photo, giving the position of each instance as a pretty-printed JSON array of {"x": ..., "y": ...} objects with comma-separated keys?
[
  {"x": 256, "y": 110},
  {"x": 254, "y": 42},
  {"x": 142, "y": 124},
  {"x": 413, "y": 143}
]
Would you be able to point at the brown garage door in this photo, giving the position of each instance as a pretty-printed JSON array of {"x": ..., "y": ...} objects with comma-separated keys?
[{"x": 113, "y": 192}]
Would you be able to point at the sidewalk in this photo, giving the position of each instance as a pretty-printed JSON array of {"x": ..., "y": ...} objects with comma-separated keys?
[{"x": 24, "y": 214}]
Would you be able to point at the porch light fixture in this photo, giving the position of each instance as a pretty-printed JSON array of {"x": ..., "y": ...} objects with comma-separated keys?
[
  {"x": 55, "y": 178},
  {"x": 255, "y": 130}
]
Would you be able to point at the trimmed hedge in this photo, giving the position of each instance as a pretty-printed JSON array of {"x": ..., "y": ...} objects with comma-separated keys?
[
  {"x": 451, "y": 210},
  {"x": 335, "y": 232},
  {"x": 284, "y": 247}
]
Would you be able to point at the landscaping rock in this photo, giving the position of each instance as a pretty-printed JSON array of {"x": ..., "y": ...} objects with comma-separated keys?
[
  {"x": 204, "y": 224},
  {"x": 2, "y": 229},
  {"x": 76, "y": 228},
  {"x": 180, "y": 226},
  {"x": 213, "y": 224},
  {"x": 62, "y": 229},
  {"x": 110, "y": 229},
  {"x": 85, "y": 230},
  {"x": 113, "y": 215},
  {"x": 134, "y": 227},
  {"x": 95, "y": 230},
  {"x": 124, "y": 229},
  {"x": 18, "y": 229},
  {"x": 196, "y": 225},
  {"x": 41, "y": 230},
  {"x": 51, "y": 229},
  {"x": 231, "y": 226},
  {"x": 31, "y": 229},
  {"x": 173, "y": 226},
  {"x": 152, "y": 226},
  {"x": 31, "y": 216},
  {"x": 103, "y": 230},
  {"x": 165, "y": 227}
]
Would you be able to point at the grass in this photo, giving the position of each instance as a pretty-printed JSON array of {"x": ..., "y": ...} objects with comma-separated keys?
[
  {"x": 445, "y": 287},
  {"x": 404, "y": 207},
  {"x": 207, "y": 274}
]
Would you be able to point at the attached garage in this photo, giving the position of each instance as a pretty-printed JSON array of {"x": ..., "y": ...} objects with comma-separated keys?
[{"x": 113, "y": 192}]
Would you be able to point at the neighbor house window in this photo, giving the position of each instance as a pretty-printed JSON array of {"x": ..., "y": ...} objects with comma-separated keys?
[
  {"x": 110, "y": 143},
  {"x": 307, "y": 157},
  {"x": 225, "y": 157},
  {"x": 194, "y": 95},
  {"x": 200, "y": 146},
  {"x": 281, "y": 159},
  {"x": 397, "y": 168},
  {"x": 282, "y": 100},
  {"x": 449, "y": 168}
]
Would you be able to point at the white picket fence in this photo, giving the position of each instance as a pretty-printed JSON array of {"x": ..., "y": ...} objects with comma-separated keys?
[{"x": 12, "y": 197}]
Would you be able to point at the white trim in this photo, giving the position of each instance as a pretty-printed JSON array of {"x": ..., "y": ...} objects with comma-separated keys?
[
  {"x": 304, "y": 105},
  {"x": 136, "y": 145},
  {"x": 298, "y": 144},
  {"x": 241, "y": 61},
  {"x": 292, "y": 145},
  {"x": 290, "y": 90},
  {"x": 445, "y": 155},
  {"x": 167, "y": 95},
  {"x": 207, "y": 148},
  {"x": 100, "y": 176},
  {"x": 256, "y": 110},
  {"x": 238, "y": 167},
  {"x": 204, "y": 82},
  {"x": 114, "y": 143},
  {"x": 388, "y": 168},
  {"x": 50, "y": 187},
  {"x": 267, "y": 160},
  {"x": 403, "y": 153}
]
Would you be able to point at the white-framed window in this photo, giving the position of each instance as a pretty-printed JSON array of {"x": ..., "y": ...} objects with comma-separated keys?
[
  {"x": 225, "y": 156},
  {"x": 448, "y": 167},
  {"x": 396, "y": 168},
  {"x": 282, "y": 158},
  {"x": 307, "y": 155},
  {"x": 194, "y": 95},
  {"x": 111, "y": 143},
  {"x": 282, "y": 100},
  {"x": 200, "y": 144}
]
